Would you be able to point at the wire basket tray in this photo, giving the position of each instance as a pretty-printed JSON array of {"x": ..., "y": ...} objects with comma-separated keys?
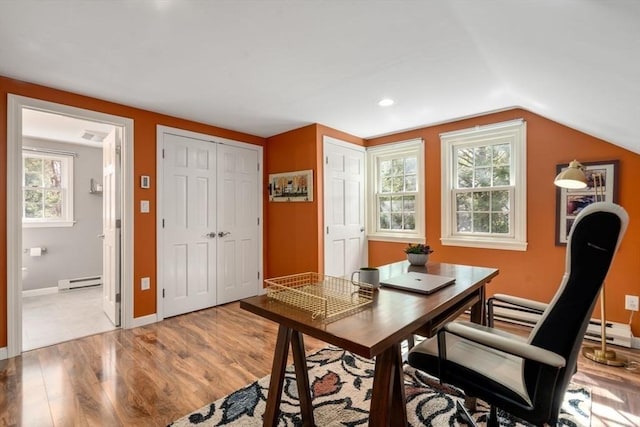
[{"x": 325, "y": 297}]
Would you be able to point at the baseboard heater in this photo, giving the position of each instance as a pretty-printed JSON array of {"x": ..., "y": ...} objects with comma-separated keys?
[
  {"x": 79, "y": 282},
  {"x": 616, "y": 333}
]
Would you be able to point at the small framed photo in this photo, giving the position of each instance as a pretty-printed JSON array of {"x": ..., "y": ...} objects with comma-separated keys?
[
  {"x": 601, "y": 187},
  {"x": 291, "y": 186}
]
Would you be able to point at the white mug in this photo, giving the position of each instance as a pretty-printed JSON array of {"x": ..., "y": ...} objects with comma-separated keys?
[{"x": 368, "y": 275}]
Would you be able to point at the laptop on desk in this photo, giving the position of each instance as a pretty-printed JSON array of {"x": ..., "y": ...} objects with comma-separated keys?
[{"x": 422, "y": 283}]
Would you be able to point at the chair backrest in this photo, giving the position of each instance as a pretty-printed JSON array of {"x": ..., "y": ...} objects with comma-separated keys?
[{"x": 591, "y": 245}]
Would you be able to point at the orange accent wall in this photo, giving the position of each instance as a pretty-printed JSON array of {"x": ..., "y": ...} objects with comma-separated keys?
[
  {"x": 536, "y": 272},
  {"x": 144, "y": 164}
]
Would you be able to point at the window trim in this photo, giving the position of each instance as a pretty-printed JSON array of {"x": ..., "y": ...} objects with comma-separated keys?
[
  {"x": 393, "y": 150},
  {"x": 66, "y": 187},
  {"x": 515, "y": 131}
]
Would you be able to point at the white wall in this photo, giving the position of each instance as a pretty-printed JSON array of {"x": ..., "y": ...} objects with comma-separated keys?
[{"x": 71, "y": 251}]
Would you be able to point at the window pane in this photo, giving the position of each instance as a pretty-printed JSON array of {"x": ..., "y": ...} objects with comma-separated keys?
[
  {"x": 481, "y": 202},
  {"x": 397, "y": 166},
  {"x": 396, "y": 221},
  {"x": 501, "y": 175},
  {"x": 409, "y": 203},
  {"x": 409, "y": 221},
  {"x": 501, "y": 154},
  {"x": 482, "y": 156},
  {"x": 500, "y": 201},
  {"x": 483, "y": 177},
  {"x": 385, "y": 168},
  {"x": 410, "y": 165},
  {"x": 410, "y": 183},
  {"x": 463, "y": 202},
  {"x": 52, "y": 204},
  {"x": 499, "y": 223},
  {"x": 52, "y": 173},
  {"x": 386, "y": 185},
  {"x": 385, "y": 204},
  {"x": 481, "y": 222},
  {"x": 385, "y": 221},
  {"x": 398, "y": 184},
  {"x": 465, "y": 177},
  {"x": 33, "y": 203},
  {"x": 32, "y": 165},
  {"x": 464, "y": 222},
  {"x": 33, "y": 179},
  {"x": 396, "y": 204},
  {"x": 465, "y": 157}
]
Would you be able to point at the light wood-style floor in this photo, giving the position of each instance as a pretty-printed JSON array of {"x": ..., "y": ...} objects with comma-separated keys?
[{"x": 152, "y": 375}]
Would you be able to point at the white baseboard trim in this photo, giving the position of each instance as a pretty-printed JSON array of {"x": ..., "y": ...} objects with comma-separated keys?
[
  {"x": 38, "y": 292},
  {"x": 4, "y": 353},
  {"x": 635, "y": 342},
  {"x": 144, "y": 320}
]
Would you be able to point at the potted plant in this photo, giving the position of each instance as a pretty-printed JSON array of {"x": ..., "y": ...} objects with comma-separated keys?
[{"x": 418, "y": 254}]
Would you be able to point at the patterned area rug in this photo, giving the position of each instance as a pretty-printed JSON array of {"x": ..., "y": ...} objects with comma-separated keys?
[{"x": 341, "y": 385}]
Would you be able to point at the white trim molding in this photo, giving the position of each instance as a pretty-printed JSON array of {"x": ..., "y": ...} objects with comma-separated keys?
[{"x": 513, "y": 133}]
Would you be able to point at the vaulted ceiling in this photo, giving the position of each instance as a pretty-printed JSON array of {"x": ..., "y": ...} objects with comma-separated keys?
[{"x": 264, "y": 67}]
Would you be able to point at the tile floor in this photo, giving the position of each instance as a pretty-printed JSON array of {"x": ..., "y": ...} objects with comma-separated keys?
[{"x": 63, "y": 316}]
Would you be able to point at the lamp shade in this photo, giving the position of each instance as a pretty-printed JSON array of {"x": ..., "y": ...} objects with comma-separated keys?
[{"x": 572, "y": 177}]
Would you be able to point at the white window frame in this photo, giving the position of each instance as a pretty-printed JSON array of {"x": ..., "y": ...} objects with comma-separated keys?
[
  {"x": 381, "y": 152},
  {"x": 66, "y": 190},
  {"x": 514, "y": 132}
]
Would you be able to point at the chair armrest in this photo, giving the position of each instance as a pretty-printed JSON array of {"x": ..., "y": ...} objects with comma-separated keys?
[
  {"x": 505, "y": 344},
  {"x": 520, "y": 302}
]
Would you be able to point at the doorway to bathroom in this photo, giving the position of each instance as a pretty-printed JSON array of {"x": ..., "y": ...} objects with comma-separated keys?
[{"x": 68, "y": 185}]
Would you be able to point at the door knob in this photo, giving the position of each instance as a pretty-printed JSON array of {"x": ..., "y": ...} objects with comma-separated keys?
[
  {"x": 223, "y": 233},
  {"x": 361, "y": 229},
  {"x": 100, "y": 236},
  {"x": 211, "y": 235}
]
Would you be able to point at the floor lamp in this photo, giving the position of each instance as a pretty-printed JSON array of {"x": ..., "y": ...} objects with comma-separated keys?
[{"x": 574, "y": 177}]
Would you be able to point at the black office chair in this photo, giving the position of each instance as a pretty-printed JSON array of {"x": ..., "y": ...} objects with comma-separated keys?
[{"x": 528, "y": 377}]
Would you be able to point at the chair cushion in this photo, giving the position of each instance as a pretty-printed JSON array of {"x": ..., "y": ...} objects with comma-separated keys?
[{"x": 494, "y": 365}]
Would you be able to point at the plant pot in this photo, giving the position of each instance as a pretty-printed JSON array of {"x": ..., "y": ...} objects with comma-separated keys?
[{"x": 417, "y": 259}]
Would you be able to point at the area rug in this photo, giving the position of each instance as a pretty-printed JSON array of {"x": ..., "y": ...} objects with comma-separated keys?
[{"x": 341, "y": 385}]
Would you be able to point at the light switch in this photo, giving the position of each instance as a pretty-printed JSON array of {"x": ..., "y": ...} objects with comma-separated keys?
[
  {"x": 145, "y": 283},
  {"x": 144, "y": 206}
]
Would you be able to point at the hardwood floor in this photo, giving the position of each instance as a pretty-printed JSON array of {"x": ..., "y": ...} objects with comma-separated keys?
[{"x": 152, "y": 375}]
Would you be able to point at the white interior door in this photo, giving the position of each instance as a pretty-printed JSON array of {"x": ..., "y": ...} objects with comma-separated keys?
[
  {"x": 188, "y": 261},
  {"x": 238, "y": 223},
  {"x": 111, "y": 226},
  {"x": 344, "y": 201}
]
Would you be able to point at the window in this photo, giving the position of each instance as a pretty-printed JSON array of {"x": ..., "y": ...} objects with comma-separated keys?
[
  {"x": 484, "y": 186},
  {"x": 47, "y": 190},
  {"x": 396, "y": 192}
]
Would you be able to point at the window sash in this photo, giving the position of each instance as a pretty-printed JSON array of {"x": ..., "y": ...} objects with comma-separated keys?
[{"x": 455, "y": 228}]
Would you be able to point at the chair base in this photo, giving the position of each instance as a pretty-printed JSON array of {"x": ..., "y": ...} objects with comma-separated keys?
[{"x": 607, "y": 357}]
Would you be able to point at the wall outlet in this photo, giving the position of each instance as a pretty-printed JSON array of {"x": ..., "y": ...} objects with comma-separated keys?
[
  {"x": 631, "y": 302},
  {"x": 145, "y": 283}
]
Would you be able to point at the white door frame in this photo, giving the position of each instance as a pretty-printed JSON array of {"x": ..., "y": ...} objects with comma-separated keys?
[
  {"x": 330, "y": 140},
  {"x": 161, "y": 130},
  {"x": 14, "y": 216}
]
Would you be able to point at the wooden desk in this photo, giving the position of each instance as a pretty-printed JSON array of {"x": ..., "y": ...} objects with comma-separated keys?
[{"x": 376, "y": 331}]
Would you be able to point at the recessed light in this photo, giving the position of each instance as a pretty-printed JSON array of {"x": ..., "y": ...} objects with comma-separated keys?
[{"x": 386, "y": 102}]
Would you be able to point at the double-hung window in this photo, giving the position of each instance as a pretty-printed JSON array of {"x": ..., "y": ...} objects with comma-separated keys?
[
  {"x": 47, "y": 190},
  {"x": 484, "y": 186},
  {"x": 396, "y": 192}
]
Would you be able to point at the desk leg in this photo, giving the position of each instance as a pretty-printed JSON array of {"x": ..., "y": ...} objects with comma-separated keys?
[
  {"x": 478, "y": 314},
  {"x": 272, "y": 411},
  {"x": 302, "y": 379},
  {"x": 388, "y": 401}
]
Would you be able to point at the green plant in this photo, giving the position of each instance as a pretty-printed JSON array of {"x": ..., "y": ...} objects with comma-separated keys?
[{"x": 418, "y": 248}]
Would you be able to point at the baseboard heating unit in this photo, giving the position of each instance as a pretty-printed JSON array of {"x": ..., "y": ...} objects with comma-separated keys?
[
  {"x": 616, "y": 333},
  {"x": 79, "y": 282}
]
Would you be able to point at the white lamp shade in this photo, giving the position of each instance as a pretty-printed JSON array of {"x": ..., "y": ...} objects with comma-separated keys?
[{"x": 572, "y": 177}]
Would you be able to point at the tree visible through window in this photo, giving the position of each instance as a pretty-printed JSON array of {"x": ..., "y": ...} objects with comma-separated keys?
[{"x": 46, "y": 188}]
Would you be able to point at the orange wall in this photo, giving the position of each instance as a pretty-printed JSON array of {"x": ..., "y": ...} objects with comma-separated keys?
[
  {"x": 535, "y": 273},
  {"x": 144, "y": 164},
  {"x": 295, "y": 238}
]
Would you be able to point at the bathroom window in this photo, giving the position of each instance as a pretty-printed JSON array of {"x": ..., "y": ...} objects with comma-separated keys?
[{"x": 47, "y": 190}]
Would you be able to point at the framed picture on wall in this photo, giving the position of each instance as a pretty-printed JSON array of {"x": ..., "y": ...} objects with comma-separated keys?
[
  {"x": 291, "y": 186},
  {"x": 602, "y": 180}
]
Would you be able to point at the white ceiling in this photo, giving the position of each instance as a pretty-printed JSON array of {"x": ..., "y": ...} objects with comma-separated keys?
[{"x": 264, "y": 67}]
